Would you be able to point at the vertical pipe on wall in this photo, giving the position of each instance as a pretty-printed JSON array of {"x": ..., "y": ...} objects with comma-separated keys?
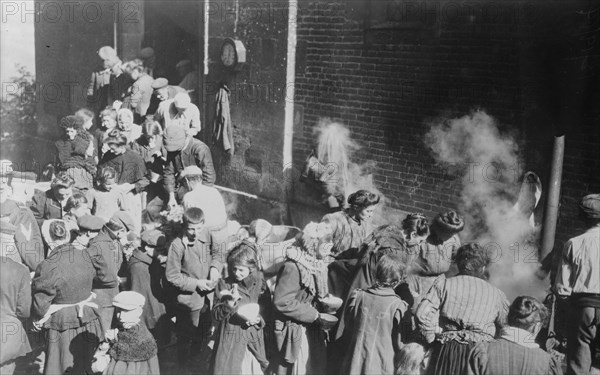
[
  {"x": 115, "y": 30},
  {"x": 551, "y": 212},
  {"x": 206, "y": 19},
  {"x": 204, "y": 99},
  {"x": 288, "y": 132}
]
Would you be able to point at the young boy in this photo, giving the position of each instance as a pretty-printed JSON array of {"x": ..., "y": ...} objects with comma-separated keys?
[{"x": 193, "y": 267}]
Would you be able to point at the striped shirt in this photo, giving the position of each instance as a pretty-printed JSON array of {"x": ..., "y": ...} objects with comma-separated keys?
[
  {"x": 578, "y": 270},
  {"x": 468, "y": 306}
]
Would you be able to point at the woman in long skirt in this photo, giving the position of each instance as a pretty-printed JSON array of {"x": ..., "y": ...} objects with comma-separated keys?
[
  {"x": 302, "y": 281},
  {"x": 461, "y": 311},
  {"x": 64, "y": 305}
]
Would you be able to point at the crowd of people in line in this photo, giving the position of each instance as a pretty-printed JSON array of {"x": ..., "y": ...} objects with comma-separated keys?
[{"x": 130, "y": 251}]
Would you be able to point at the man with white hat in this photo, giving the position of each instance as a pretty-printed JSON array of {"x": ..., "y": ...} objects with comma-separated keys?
[
  {"x": 179, "y": 112},
  {"x": 209, "y": 200},
  {"x": 578, "y": 280}
]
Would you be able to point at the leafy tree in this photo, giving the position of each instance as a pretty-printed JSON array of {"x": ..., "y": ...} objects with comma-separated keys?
[{"x": 18, "y": 119}]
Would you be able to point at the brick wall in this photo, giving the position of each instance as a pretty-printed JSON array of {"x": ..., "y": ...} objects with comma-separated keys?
[
  {"x": 257, "y": 101},
  {"x": 385, "y": 71}
]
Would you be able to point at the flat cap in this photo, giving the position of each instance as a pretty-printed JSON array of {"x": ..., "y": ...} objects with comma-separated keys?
[
  {"x": 191, "y": 170},
  {"x": 183, "y": 63},
  {"x": 159, "y": 83},
  {"x": 107, "y": 52},
  {"x": 90, "y": 222},
  {"x": 122, "y": 220},
  {"x": 129, "y": 300},
  {"x": 182, "y": 100},
  {"x": 146, "y": 52}
]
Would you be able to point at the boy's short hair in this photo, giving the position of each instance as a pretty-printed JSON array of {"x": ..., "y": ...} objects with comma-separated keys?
[{"x": 193, "y": 215}]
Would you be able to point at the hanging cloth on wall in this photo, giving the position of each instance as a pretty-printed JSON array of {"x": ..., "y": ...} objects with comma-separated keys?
[{"x": 222, "y": 127}]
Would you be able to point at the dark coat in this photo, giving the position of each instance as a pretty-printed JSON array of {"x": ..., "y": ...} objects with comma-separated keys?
[
  {"x": 71, "y": 153},
  {"x": 105, "y": 256},
  {"x": 119, "y": 86},
  {"x": 294, "y": 308},
  {"x": 130, "y": 168},
  {"x": 15, "y": 304},
  {"x": 65, "y": 277},
  {"x": 233, "y": 334},
  {"x": 99, "y": 90},
  {"x": 154, "y": 163},
  {"x": 146, "y": 276},
  {"x": 194, "y": 153},
  {"x": 28, "y": 237},
  {"x": 44, "y": 206},
  {"x": 373, "y": 324}
]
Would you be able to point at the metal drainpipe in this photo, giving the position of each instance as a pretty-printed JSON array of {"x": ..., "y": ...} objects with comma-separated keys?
[
  {"x": 288, "y": 132},
  {"x": 551, "y": 212}
]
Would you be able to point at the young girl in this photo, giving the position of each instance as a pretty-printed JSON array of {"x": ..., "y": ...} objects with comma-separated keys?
[
  {"x": 126, "y": 125},
  {"x": 105, "y": 199},
  {"x": 239, "y": 346},
  {"x": 373, "y": 321},
  {"x": 133, "y": 349}
]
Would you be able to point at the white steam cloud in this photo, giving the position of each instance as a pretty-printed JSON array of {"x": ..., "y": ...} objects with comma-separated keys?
[
  {"x": 490, "y": 188},
  {"x": 334, "y": 151}
]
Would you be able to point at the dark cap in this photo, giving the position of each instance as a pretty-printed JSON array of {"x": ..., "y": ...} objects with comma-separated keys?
[
  {"x": 90, "y": 222},
  {"x": 121, "y": 220},
  {"x": 154, "y": 237}
]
